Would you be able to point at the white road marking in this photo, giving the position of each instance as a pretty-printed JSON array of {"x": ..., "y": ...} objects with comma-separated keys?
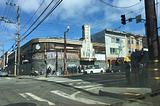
[
  {"x": 72, "y": 97},
  {"x": 23, "y": 95},
  {"x": 70, "y": 84},
  {"x": 89, "y": 86},
  {"x": 8, "y": 78},
  {"x": 35, "y": 97}
]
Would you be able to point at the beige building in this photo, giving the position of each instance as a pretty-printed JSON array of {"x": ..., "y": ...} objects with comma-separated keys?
[{"x": 133, "y": 42}]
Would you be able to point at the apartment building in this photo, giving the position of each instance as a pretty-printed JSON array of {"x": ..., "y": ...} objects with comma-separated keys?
[
  {"x": 133, "y": 42},
  {"x": 115, "y": 45}
]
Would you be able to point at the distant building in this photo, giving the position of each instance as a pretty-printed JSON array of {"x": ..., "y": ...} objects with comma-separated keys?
[
  {"x": 40, "y": 53},
  {"x": 133, "y": 42},
  {"x": 115, "y": 45},
  {"x": 119, "y": 45}
]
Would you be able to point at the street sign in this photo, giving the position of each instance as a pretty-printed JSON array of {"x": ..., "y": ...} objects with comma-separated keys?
[{"x": 138, "y": 19}]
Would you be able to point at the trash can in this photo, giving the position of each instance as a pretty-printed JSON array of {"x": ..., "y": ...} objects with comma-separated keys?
[{"x": 69, "y": 70}]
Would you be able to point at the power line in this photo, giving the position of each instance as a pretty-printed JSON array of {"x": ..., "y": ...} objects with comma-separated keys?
[
  {"x": 53, "y": 8},
  {"x": 38, "y": 18},
  {"x": 117, "y": 6},
  {"x": 54, "y": 19},
  {"x": 33, "y": 14}
]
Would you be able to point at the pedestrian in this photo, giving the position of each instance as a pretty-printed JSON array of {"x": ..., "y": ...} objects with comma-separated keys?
[
  {"x": 61, "y": 70},
  {"x": 32, "y": 72},
  {"x": 79, "y": 69},
  {"x": 48, "y": 72},
  {"x": 140, "y": 73},
  {"x": 127, "y": 71}
]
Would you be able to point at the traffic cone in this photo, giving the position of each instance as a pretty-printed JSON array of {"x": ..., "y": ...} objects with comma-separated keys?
[{"x": 67, "y": 73}]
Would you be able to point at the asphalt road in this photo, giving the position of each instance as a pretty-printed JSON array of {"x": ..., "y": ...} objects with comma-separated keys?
[{"x": 75, "y": 90}]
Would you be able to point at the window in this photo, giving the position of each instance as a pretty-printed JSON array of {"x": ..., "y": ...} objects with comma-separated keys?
[
  {"x": 140, "y": 41},
  {"x": 129, "y": 50},
  {"x": 137, "y": 42},
  {"x": 137, "y": 49},
  {"x": 132, "y": 40},
  {"x": 132, "y": 49},
  {"x": 113, "y": 40},
  {"x": 128, "y": 40},
  {"x": 117, "y": 40},
  {"x": 114, "y": 50}
]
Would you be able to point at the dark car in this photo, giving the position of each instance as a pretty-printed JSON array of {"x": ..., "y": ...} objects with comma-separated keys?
[
  {"x": 3, "y": 73},
  {"x": 114, "y": 69}
]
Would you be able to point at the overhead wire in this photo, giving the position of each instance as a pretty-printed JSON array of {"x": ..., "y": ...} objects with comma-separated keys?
[
  {"x": 54, "y": 19},
  {"x": 118, "y": 6},
  {"x": 37, "y": 18},
  {"x": 53, "y": 8},
  {"x": 33, "y": 14}
]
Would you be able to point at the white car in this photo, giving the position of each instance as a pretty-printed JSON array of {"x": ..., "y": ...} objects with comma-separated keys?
[{"x": 94, "y": 70}]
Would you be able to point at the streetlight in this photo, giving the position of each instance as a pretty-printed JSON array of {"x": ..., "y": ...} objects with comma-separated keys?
[{"x": 65, "y": 49}]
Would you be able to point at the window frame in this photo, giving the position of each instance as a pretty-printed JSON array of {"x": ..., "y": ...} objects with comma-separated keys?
[
  {"x": 132, "y": 40},
  {"x": 129, "y": 50},
  {"x": 128, "y": 41},
  {"x": 137, "y": 42}
]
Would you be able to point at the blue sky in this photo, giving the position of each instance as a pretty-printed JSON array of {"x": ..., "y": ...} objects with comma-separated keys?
[{"x": 73, "y": 13}]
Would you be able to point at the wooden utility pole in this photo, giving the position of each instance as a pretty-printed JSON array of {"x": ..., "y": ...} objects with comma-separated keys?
[
  {"x": 18, "y": 17},
  {"x": 18, "y": 40},
  {"x": 153, "y": 45}
]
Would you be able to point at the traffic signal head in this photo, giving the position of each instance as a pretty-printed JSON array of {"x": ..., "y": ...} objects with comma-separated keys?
[
  {"x": 123, "y": 19},
  {"x": 22, "y": 57}
]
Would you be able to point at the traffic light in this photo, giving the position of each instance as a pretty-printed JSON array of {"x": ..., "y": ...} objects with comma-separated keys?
[
  {"x": 123, "y": 19},
  {"x": 22, "y": 57}
]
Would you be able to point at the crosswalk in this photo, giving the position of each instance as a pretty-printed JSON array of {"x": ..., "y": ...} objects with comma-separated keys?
[{"x": 86, "y": 84}]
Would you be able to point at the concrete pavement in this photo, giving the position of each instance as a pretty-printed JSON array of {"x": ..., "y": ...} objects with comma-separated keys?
[{"x": 125, "y": 95}]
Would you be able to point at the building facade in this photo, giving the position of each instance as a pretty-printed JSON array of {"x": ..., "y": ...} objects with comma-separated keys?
[
  {"x": 115, "y": 45},
  {"x": 133, "y": 42},
  {"x": 41, "y": 53},
  {"x": 119, "y": 45}
]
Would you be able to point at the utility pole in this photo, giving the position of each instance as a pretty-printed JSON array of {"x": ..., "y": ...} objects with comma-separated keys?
[
  {"x": 18, "y": 17},
  {"x": 65, "y": 50},
  {"x": 15, "y": 57},
  {"x": 153, "y": 45},
  {"x": 2, "y": 65}
]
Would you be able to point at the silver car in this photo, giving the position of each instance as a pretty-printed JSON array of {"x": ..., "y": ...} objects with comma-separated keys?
[{"x": 3, "y": 73}]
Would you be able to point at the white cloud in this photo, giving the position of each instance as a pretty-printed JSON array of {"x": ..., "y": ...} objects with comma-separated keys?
[{"x": 31, "y": 6}]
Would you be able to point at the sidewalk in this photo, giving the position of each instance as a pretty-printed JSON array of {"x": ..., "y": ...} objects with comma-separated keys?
[{"x": 131, "y": 95}]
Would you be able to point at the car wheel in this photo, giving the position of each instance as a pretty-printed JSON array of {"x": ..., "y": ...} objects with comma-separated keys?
[
  {"x": 119, "y": 71},
  {"x": 91, "y": 72},
  {"x": 101, "y": 72},
  {"x": 111, "y": 71}
]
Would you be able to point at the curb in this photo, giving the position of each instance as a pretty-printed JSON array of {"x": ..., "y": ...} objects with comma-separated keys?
[{"x": 130, "y": 100}]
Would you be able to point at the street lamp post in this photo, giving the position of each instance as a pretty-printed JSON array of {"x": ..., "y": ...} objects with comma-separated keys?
[{"x": 65, "y": 49}]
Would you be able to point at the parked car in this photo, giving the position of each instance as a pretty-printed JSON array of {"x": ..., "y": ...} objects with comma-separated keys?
[
  {"x": 92, "y": 70},
  {"x": 114, "y": 69},
  {"x": 3, "y": 73}
]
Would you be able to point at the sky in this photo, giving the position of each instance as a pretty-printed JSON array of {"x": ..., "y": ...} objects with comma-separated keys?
[{"x": 72, "y": 13}]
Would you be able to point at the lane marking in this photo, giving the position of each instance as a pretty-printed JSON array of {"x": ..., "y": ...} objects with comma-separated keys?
[
  {"x": 35, "y": 97},
  {"x": 8, "y": 78},
  {"x": 72, "y": 97},
  {"x": 24, "y": 95},
  {"x": 89, "y": 86}
]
